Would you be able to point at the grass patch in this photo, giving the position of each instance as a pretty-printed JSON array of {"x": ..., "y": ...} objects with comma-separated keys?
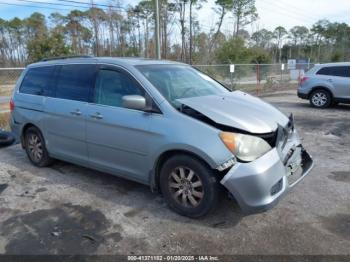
[{"x": 4, "y": 120}]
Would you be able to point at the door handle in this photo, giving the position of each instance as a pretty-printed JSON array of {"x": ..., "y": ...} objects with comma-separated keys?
[
  {"x": 330, "y": 80},
  {"x": 76, "y": 113},
  {"x": 96, "y": 116}
]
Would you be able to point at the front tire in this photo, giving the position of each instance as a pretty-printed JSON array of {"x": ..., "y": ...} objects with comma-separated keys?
[
  {"x": 320, "y": 98},
  {"x": 35, "y": 148},
  {"x": 189, "y": 187}
]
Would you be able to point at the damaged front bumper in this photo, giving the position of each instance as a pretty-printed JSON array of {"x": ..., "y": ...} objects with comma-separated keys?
[{"x": 258, "y": 185}]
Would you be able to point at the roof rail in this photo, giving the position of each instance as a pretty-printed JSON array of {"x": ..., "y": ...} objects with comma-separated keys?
[{"x": 65, "y": 57}]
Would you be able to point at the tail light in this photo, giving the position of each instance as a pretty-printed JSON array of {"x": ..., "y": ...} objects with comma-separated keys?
[
  {"x": 303, "y": 79},
  {"x": 12, "y": 105}
]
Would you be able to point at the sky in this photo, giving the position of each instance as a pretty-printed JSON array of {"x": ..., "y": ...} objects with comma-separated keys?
[{"x": 272, "y": 13}]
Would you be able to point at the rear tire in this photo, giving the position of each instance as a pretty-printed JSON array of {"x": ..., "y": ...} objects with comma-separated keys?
[
  {"x": 35, "y": 148},
  {"x": 320, "y": 98},
  {"x": 189, "y": 187}
]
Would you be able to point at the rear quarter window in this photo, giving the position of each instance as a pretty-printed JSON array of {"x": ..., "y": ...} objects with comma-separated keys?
[
  {"x": 342, "y": 71},
  {"x": 76, "y": 82},
  {"x": 38, "y": 81},
  {"x": 325, "y": 71}
]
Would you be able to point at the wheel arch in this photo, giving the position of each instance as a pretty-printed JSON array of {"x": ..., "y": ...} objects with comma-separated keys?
[
  {"x": 24, "y": 129},
  {"x": 320, "y": 87},
  {"x": 164, "y": 156}
]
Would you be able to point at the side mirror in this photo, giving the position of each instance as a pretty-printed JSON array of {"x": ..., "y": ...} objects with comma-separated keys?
[{"x": 134, "y": 102}]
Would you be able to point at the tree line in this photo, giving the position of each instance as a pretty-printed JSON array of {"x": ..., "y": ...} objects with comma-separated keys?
[{"x": 117, "y": 31}]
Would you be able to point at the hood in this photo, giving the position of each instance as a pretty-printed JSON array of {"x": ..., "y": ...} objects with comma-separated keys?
[{"x": 238, "y": 110}]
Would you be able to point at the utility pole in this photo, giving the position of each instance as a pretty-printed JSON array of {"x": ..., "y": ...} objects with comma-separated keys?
[
  {"x": 95, "y": 26},
  {"x": 157, "y": 33}
]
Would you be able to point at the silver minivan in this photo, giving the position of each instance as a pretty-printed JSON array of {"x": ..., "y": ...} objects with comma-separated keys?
[
  {"x": 326, "y": 84},
  {"x": 160, "y": 123}
]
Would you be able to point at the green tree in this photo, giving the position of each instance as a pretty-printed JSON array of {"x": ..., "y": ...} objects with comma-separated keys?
[
  {"x": 244, "y": 13},
  {"x": 262, "y": 38},
  {"x": 233, "y": 51},
  {"x": 96, "y": 16},
  {"x": 222, "y": 7},
  {"x": 52, "y": 46},
  {"x": 146, "y": 8},
  {"x": 196, "y": 3},
  {"x": 298, "y": 35},
  {"x": 279, "y": 33}
]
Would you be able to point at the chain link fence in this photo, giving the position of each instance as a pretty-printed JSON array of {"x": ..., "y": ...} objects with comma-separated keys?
[
  {"x": 251, "y": 78},
  {"x": 256, "y": 77},
  {"x": 8, "y": 78}
]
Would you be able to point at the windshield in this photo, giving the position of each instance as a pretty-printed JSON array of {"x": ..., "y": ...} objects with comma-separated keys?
[{"x": 180, "y": 81}]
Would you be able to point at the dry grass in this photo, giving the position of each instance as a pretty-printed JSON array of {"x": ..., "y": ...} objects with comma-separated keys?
[
  {"x": 4, "y": 120},
  {"x": 4, "y": 106},
  {"x": 6, "y": 90},
  {"x": 261, "y": 89}
]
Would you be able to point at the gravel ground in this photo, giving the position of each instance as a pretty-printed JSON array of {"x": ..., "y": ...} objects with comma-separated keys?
[{"x": 66, "y": 209}]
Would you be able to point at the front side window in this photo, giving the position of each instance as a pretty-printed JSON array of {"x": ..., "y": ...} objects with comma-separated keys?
[
  {"x": 38, "y": 81},
  {"x": 112, "y": 85},
  {"x": 75, "y": 82},
  {"x": 180, "y": 81}
]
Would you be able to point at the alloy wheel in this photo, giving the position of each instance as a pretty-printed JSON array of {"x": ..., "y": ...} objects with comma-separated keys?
[
  {"x": 186, "y": 187},
  {"x": 319, "y": 99},
  {"x": 35, "y": 147}
]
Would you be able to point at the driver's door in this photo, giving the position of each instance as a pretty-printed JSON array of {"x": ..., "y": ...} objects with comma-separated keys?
[{"x": 117, "y": 137}]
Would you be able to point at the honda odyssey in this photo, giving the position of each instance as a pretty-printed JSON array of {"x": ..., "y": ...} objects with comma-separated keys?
[{"x": 160, "y": 123}]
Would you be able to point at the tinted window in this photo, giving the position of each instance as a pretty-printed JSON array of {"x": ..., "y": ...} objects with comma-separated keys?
[
  {"x": 325, "y": 71},
  {"x": 75, "y": 82},
  {"x": 38, "y": 81},
  {"x": 343, "y": 71},
  {"x": 111, "y": 86}
]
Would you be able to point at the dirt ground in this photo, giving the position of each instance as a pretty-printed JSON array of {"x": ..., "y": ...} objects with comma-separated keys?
[{"x": 66, "y": 209}]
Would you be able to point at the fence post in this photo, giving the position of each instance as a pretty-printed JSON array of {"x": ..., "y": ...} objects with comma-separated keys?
[
  {"x": 232, "y": 70},
  {"x": 282, "y": 70}
]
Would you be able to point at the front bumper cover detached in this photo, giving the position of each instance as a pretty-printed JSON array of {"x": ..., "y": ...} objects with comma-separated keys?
[{"x": 259, "y": 185}]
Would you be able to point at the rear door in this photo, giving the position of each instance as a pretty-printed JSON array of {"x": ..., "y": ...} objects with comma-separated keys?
[
  {"x": 117, "y": 137},
  {"x": 67, "y": 111},
  {"x": 341, "y": 81},
  {"x": 339, "y": 78}
]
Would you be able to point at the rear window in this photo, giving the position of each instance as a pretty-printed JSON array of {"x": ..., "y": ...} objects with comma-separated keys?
[
  {"x": 75, "y": 82},
  {"x": 342, "y": 71},
  {"x": 38, "y": 81}
]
